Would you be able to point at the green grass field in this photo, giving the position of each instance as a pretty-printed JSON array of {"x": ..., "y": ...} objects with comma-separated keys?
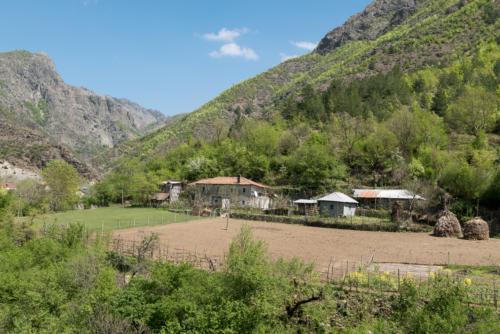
[{"x": 113, "y": 218}]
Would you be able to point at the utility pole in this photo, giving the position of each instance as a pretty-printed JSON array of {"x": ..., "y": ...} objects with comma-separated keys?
[
  {"x": 19, "y": 207},
  {"x": 123, "y": 204}
]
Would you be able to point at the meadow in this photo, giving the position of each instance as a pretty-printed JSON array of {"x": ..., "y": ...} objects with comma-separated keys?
[{"x": 112, "y": 218}]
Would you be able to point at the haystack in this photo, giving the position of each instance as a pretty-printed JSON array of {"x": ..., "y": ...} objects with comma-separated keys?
[
  {"x": 447, "y": 225},
  {"x": 476, "y": 229}
]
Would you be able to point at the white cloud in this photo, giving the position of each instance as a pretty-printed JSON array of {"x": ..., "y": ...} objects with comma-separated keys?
[
  {"x": 225, "y": 35},
  {"x": 304, "y": 45},
  {"x": 234, "y": 50},
  {"x": 285, "y": 57}
]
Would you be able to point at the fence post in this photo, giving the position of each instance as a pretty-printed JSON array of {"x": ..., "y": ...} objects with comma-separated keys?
[
  {"x": 399, "y": 283},
  {"x": 495, "y": 299},
  {"x": 148, "y": 220},
  {"x": 102, "y": 227},
  {"x": 118, "y": 223}
]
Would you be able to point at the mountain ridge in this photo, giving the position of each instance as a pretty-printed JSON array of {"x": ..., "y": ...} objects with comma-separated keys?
[
  {"x": 35, "y": 98},
  {"x": 410, "y": 34}
]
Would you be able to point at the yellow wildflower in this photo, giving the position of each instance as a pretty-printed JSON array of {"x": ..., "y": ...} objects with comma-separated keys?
[{"x": 467, "y": 281}]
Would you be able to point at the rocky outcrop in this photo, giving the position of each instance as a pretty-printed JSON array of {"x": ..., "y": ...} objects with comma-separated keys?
[
  {"x": 378, "y": 17},
  {"x": 28, "y": 150},
  {"x": 37, "y": 98}
]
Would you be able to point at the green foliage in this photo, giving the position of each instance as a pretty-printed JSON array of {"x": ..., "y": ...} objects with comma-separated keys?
[
  {"x": 61, "y": 282},
  {"x": 40, "y": 111},
  {"x": 63, "y": 180},
  {"x": 386, "y": 130}
]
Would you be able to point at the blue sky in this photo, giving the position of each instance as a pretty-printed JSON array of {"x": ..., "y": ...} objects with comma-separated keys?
[{"x": 168, "y": 55}]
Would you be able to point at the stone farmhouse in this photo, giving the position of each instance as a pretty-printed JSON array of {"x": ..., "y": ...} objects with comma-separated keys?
[{"x": 225, "y": 191}]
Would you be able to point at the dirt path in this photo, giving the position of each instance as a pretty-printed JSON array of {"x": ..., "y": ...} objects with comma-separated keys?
[{"x": 321, "y": 245}]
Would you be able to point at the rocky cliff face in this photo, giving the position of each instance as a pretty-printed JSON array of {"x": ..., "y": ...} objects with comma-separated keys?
[
  {"x": 85, "y": 122},
  {"x": 377, "y": 18},
  {"x": 28, "y": 150}
]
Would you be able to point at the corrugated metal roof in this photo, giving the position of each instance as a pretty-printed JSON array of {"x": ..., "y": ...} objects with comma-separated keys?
[
  {"x": 171, "y": 182},
  {"x": 337, "y": 197},
  {"x": 385, "y": 193},
  {"x": 306, "y": 201},
  {"x": 230, "y": 180}
]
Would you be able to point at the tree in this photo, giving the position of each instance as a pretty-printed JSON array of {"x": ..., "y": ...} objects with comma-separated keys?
[
  {"x": 63, "y": 181},
  {"x": 475, "y": 110}
]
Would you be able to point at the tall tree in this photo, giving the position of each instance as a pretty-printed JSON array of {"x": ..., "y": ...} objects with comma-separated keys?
[{"x": 63, "y": 180}]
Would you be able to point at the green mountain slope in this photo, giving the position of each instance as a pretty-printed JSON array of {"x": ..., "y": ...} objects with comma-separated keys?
[{"x": 409, "y": 34}]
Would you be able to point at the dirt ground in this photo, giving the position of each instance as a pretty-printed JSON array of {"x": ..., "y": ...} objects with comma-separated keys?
[{"x": 323, "y": 245}]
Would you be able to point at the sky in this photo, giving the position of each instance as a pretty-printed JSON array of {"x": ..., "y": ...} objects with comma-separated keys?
[{"x": 172, "y": 56}]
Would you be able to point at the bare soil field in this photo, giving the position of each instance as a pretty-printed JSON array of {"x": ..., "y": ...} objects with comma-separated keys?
[{"x": 322, "y": 245}]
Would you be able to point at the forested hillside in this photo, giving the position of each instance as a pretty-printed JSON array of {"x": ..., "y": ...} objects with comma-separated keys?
[
  {"x": 411, "y": 35},
  {"x": 432, "y": 127}
]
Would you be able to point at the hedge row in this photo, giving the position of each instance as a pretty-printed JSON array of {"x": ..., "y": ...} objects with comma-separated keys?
[{"x": 328, "y": 224}]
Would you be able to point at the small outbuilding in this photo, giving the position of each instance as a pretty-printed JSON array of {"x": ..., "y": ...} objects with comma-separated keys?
[
  {"x": 385, "y": 198},
  {"x": 337, "y": 204},
  {"x": 160, "y": 199},
  {"x": 307, "y": 207},
  {"x": 173, "y": 188}
]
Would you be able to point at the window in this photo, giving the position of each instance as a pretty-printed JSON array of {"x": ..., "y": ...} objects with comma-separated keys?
[
  {"x": 331, "y": 206},
  {"x": 243, "y": 202},
  {"x": 243, "y": 189}
]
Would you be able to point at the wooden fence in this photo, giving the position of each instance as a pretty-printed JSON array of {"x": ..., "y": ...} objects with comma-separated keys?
[{"x": 352, "y": 275}]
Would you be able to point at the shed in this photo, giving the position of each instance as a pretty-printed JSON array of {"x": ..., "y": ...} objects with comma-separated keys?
[
  {"x": 337, "y": 204},
  {"x": 174, "y": 188},
  {"x": 307, "y": 207},
  {"x": 159, "y": 199},
  {"x": 385, "y": 197}
]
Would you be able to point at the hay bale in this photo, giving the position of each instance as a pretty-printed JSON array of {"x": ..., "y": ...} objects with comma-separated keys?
[
  {"x": 447, "y": 225},
  {"x": 476, "y": 229}
]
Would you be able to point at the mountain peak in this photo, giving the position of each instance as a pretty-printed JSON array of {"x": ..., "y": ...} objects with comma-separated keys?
[{"x": 378, "y": 17}]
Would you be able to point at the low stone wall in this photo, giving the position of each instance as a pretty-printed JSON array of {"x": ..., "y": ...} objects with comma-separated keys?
[{"x": 327, "y": 224}]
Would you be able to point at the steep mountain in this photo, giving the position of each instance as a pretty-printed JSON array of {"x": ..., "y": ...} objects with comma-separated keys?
[
  {"x": 410, "y": 34},
  {"x": 60, "y": 118}
]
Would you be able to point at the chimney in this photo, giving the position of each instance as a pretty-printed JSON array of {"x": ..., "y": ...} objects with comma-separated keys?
[{"x": 239, "y": 179}]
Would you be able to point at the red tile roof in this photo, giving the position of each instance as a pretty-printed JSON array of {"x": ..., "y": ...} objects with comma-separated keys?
[
  {"x": 8, "y": 186},
  {"x": 230, "y": 180}
]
